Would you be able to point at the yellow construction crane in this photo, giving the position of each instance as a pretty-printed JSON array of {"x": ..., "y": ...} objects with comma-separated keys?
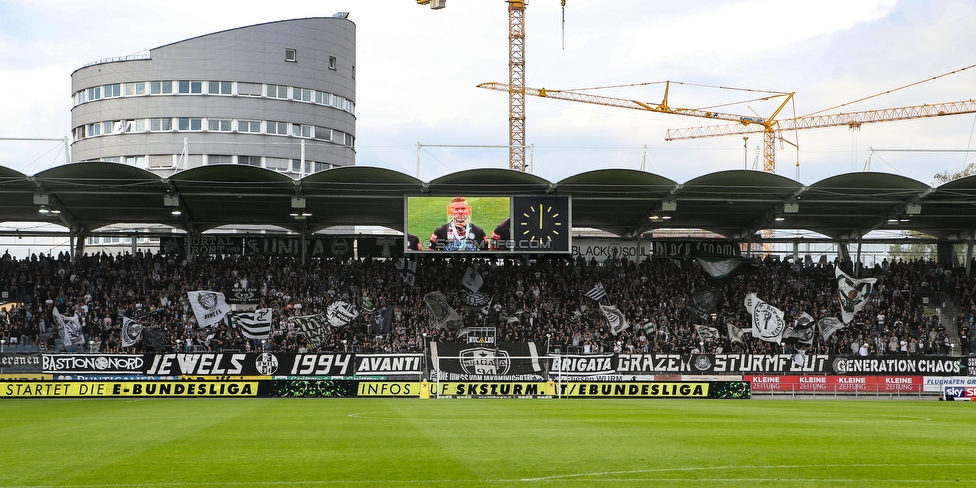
[
  {"x": 852, "y": 120},
  {"x": 516, "y": 76},
  {"x": 756, "y": 123},
  {"x": 770, "y": 127}
]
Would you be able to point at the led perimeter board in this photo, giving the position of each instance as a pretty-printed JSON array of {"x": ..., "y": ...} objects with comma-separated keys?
[{"x": 529, "y": 224}]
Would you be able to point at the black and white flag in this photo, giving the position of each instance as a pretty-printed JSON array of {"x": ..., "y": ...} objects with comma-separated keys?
[
  {"x": 408, "y": 271},
  {"x": 722, "y": 269},
  {"x": 615, "y": 319},
  {"x": 802, "y": 330},
  {"x": 829, "y": 325},
  {"x": 768, "y": 323},
  {"x": 70, "y": 328},
  {"x": 853, "y": 293},
  {"x": 131, "y": 332},
  {"x": 442, "y": 315},
  {"x": 706, "y": 332},
  {"x": 702, "y": 302},
  {"x": 209, "y": 307},
  {"x": 597, "y": 293},
  {"x": 253, "y": 325},
  {"x": 341, "y": 313},
  {"x": 735, "y": 334},
  {"x": 382, "y": 320},
  {"x": 316, "y": 329},
  {"x": 472, "y": 280},
  {"x": 154, "y": 339}
]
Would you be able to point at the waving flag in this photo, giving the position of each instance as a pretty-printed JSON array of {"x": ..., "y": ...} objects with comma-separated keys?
[
  {"x": 70, "y": 328},
  {"x": 802, "y": 330},
  {"x": 735, "y": 334},
  {"x": 209, "y": 307},
  {"x": 721, "y": 269},
  {"x": 702, "y": 302},
  {"x": 615, "y": 319},
  {"x": 442, "y": 315},
  {"x": 597, "y": 293},
  {"x": 706, "y": 332},
  {"x": 254, "y": 325},
  {"x": 853, "y": 293},
  {"x": 829, "y": 325},
  {"x": 341, "y": 313},
  {"x": 131, "y": 332},
  {"x": 767, "y": 321},
  {"x": 382, "y": 320},
  {"x": 472, "y": 280},
  {"x": 315, "y": 327}
]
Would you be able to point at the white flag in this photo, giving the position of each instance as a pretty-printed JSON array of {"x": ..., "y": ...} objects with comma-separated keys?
[
  {"x": 472, "y": 280},
  {"x": 706, "y": 332},
  {"x": 70, "y": 328},
  {"x": 853, "y": 293},
  {"x": 767, "y": 321},
  {"x": 615, "y": 318},
  {"x": 131, "y": 332},
  {"x": 735, "y": 334},
  {"x": 209, "y": 307},
  {"x": 829, "y": 325}
]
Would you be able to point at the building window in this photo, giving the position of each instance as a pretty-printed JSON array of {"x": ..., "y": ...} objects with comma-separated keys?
[
  {"x": 220, "y": 159},
  {"x": 249, "y": 160},
  {"x": 186, "y": 86},
  {"x": 137, "y": 125},
  {"x": 317, "y": 166},
  {"x": 291, "y": 55},
  {"x": 95, "y": 93},
  {"x": 219, "y": 125},
  {"x": 296, "y": 165},
  {"x": 249, "y": 89},
  {"x": 112, "y": 91},
  {"x": 109, "y": 128},
  {"x": 135, "y": 89},
  {"x": 300, "y": 130},
  {"x": 160, "y": 161},
  {"x": 189, "y": 123},
  {"x": 156, "y": 125},
  {"x": 137, "y": 161},
  {"x": 277, "y": 164},
  {"x": 301, "y": 94},
  {"x": 248, "y": 126},
  {"x": 277, "y": 91},
  {"x": 160, "y": 87},
  {"x": 323, "y": 133},
  {"x": 220, "y": 88},
  {"x": 280, "y": 128},
  {"x": 332, "y": 63},
  {"x": 95, "y": 130}
]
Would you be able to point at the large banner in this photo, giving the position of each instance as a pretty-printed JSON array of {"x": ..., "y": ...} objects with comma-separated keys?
[
  {"x": 324, "y": 247},
  {"x": 20, "y": 362},
  {"x": 615, "y": 249},
  {"x": 234, "y": 364},
  {"x": 478, "y": 362},
  {"x": 506, "y": 362},
  {"x": 836, "y": 383},
  {"x": 680, "y": 248}
]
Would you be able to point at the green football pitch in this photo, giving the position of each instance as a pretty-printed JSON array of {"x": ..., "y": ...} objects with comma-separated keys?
[{"x": 482, "y": 442}]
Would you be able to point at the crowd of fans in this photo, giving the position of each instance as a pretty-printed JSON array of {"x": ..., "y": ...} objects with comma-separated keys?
[{"x": 539, "y": 300}]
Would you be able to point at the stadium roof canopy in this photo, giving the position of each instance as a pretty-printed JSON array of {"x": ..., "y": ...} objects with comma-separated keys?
[{"x": 736, "y": 204}]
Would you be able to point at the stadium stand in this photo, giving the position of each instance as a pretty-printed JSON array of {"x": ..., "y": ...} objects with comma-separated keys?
[{"x": 539, "y": 300}]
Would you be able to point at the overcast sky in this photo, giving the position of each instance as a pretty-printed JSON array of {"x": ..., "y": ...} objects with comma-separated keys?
[{"x": 417, "y": 69}]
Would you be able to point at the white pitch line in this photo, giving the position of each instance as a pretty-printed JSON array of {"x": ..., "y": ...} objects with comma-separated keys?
[{"x": 707, "y": 468}]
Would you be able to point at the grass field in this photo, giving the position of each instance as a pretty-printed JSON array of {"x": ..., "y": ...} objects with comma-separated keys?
[{"x": 530, "y": 443}]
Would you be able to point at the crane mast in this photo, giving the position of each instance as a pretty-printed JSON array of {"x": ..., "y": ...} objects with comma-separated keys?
[
  {"x": 516, "y": 84},
  {"x": 516, "y": 76}
]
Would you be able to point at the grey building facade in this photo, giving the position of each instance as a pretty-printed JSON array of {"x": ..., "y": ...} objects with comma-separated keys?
[{"x": 279, "y": 95}]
